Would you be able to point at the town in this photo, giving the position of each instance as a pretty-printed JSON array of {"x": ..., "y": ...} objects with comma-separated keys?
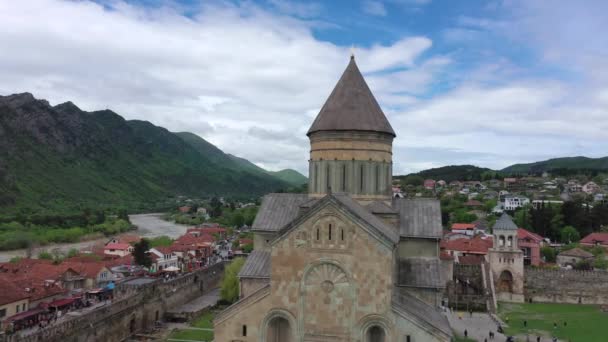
[{"x": 38, "y": 293}]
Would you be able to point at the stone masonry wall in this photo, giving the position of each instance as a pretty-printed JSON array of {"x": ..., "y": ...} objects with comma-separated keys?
[
  {"x": 466, "y": 289},
  {"x": 135, "y": 310},
  {"x": 566, "y": 286}
]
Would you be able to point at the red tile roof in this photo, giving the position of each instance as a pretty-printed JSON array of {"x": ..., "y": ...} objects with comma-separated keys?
[
  {"x": 119, "y": 246},
  {"x": 525, "y": 234},
  {"x": 594, "y": 238},
  {"x": 471, "y": 259},
  {"x": 476, "y": 245},
  {"x": 463, "y": 226},
  {"x": 473, "y": 203}
]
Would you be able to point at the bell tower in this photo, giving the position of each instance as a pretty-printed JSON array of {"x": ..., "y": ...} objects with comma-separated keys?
[
  {"x": 507, "y": 261},
  {"x": 351, "y": 143}
]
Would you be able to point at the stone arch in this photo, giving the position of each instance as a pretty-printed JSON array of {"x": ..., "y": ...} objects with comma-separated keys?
[
  {"x": 374, "y": 328},
  {"x": 279, "y": 325},
  {"x": 505, "y": 281},
  {"x": 501, "y": 241},
  {"x": 326, "y": 288}
]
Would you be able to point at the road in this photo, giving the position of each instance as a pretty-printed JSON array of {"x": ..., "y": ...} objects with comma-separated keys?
[{"x": 149, "y": 225}]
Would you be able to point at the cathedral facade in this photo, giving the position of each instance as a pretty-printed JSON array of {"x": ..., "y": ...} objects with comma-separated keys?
[{"x": 346, "y": 261}]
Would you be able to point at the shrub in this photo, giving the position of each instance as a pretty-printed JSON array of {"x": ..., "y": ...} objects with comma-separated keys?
[{"x": 548, "y": 254}]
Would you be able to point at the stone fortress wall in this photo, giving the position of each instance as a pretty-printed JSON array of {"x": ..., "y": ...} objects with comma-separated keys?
[
  {"x": 135, "y": 309},
  {"x": 566, "y": 286}
]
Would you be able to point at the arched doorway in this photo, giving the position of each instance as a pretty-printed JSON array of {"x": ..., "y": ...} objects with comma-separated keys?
[
  {"x": 505, "y": 282},
  {"x": 132, "y": 325},
  {"x": 375, "y": 334},
  {"x": 278, "y": 330}
]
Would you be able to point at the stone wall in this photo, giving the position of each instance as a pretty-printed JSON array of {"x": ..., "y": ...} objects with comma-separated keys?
[
  {"x": 466, "y": 289},
  {"x": 135, "y": 310},
  {"x": 566, "y": 286}
]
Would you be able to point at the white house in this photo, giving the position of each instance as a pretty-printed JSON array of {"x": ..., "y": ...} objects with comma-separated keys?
[
  {"x": 119, "y": 249},
  {"x": 590, "y": 188},
  {"x": 162, "y": 258},
  {"x": 514, "y": 202}
]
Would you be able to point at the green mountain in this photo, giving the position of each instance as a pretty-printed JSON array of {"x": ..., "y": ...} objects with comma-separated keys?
[
  {"x": 289, "y": 176},
  {"x": 567, "y": 163},
  {"x": 450, "y": 173},
  {"x": 63, "y": 158}
]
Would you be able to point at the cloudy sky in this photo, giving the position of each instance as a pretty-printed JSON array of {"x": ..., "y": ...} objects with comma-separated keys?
[{"x": 489, "y": 83}]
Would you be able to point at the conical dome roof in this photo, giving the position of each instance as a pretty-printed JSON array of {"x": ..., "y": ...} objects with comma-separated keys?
[
  {"x": 351, "y": 107},
  {"x": 505, "y": 222}
]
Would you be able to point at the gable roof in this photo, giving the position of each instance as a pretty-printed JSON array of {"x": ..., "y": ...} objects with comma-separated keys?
[
  {"x": 594, "y": 238},
  {"x": 525, "y": 234},
  {"x": 343, "y": 200},
  {"x": 277, "y": 210},
  {"x": 419, "y": 218},
  {"x": 351, "y": 106},
  {"x": 257, "y": 265},
  {"x": 576, "y": 252},
  {"x": 505, "y": 223}
]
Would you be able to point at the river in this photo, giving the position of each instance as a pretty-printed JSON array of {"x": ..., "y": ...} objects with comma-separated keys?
[{"x": 149, "y": 225}]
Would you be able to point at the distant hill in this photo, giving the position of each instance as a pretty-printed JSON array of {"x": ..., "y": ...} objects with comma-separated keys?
[
  {"x": 567, "y": 163},
  {"x": 291, "y": 177},
  {"x": 451, "y": 173},
  {"x": 62, "y": 158}
]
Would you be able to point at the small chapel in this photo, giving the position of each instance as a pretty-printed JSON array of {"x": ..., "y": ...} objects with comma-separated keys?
[{"x": 346, "y": 261}]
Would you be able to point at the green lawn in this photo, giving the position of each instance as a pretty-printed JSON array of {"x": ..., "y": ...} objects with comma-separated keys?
[
  {"x": 584, "y": 322},
  {"x": 205, "y": 321},
  {"x": 462, "y": 339},
  {"x": 193, "y": 335}
]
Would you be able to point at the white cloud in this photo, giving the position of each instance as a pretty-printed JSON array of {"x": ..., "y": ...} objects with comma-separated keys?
[
  {"x": 239, "y": 76},
  {"x": 373, "y": 7},
  {"x": 251, "y": 80}
]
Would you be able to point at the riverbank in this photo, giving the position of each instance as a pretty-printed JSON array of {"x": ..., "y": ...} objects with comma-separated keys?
[{"x": 148, "y": 225}]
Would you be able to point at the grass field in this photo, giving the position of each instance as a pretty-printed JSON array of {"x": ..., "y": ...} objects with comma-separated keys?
[
  {"x": 583, "y": 322},
  {"x": 204, "y": 322}
]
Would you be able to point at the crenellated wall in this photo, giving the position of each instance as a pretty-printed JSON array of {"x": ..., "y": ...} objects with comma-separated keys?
[
  {"x": 566, "y": 286},
  {"x": 135, "y": 310}
]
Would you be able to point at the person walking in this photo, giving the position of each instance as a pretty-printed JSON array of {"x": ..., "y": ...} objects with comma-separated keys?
[
  {"x": 537, "y": 338},
  {"x": 466, "y": 333},
  {"x": 525, "y": 323}
]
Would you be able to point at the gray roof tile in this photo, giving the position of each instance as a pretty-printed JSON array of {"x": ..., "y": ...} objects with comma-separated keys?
[
  {"x": 404, "y": 301},
  {"x": 505, "y": 223},
  {"x": 360, "y": 211},
  {"x": 277, "y": 210},
  {"x": 420, "y": 272},
  {"x": 379, "y": 207},
  {"x": 257, "y": 265},
  {"x": 351, "y": 106},
  {"x": 419, "y": 217}
]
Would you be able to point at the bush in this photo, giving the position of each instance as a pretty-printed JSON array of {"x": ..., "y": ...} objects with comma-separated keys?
[
  {"x": 548, "y": 254},
  {"x": 600, "y": 263},
  {"x": 44, "y": 255},
  {"x": 73, "y": 252},
  {"x": 230, "y": 284}
]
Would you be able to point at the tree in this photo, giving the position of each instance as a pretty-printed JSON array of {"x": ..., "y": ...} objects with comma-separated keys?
[
  {"x": 583, "y": 265},
  {"x": 238, "y": 219},
  {"x": 44, "y": 255},
  {"x": 462, "y": 216},
  {"x": 248, "y": 248},
  {"x": 140, "y": 253},
  {"x": 73, "y": 252},
  {"x": 230, "y": 284},
  {"x": 600, "y": 263},
  {"x": 569, "y": 234},
  {"x": 548, "y": 254}
]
